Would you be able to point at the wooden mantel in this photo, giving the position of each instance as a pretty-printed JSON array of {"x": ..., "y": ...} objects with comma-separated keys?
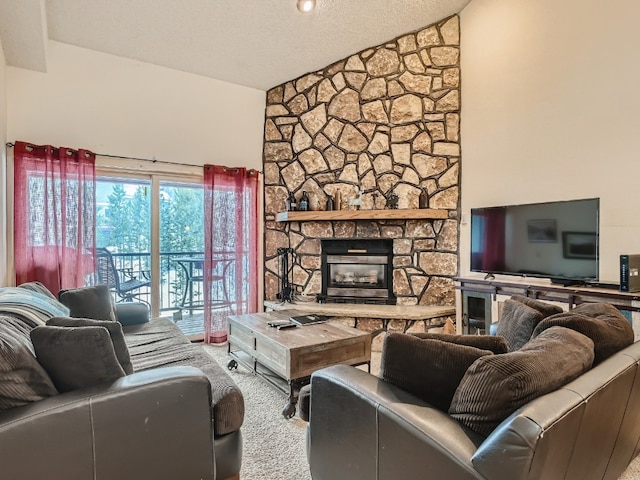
[{"x": 328, "y": 215}]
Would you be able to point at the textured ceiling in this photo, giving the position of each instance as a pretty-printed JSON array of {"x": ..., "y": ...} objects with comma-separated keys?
[{"x": 255, "y": 43}]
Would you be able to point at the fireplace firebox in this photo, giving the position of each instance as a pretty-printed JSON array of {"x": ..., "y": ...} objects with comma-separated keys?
[{"x": 357, "y": 271}]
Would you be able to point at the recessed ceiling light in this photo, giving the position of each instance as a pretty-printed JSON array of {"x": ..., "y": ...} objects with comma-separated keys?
[{"x": 305, "y": 6}]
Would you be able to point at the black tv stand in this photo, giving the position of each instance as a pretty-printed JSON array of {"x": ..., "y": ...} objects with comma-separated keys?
[
  {"x": 569, "y": 282},
  {"x": 610, "y": 286},
  {"x": 489, "y": 293}
]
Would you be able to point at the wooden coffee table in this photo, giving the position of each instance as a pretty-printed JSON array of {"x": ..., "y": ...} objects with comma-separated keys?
[{"x": 287, "y": 358}]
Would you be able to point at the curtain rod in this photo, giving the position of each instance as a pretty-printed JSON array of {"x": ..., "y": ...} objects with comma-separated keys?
[{"x": 152, "y": 160}]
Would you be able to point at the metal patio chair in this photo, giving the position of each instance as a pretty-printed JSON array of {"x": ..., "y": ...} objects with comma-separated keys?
[{"x": 126, "y": 283}]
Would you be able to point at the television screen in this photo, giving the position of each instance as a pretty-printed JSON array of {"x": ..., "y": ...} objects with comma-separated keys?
[{"x": 553, "y": 239}]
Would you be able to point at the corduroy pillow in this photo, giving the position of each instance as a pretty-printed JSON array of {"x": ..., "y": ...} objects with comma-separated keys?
[
  {"x": 601, "y": 322},
  {"x": 115, "y": 332},
  {"x": 493, "y": 343},
  {"x": 517, "y": 322},
  {"x": 76, "y": 358},
  {"x": 429, "y": 369},
  {"x": 89, "y": 302},
  {"x": 22, "y": 378},
  {"x": 496, "y": 386},
  {"x": 546, "y": 309}
]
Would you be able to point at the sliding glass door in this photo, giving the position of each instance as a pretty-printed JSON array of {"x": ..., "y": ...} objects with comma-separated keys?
[
  {"x": 181, "y": 244},
  {"x": 153, "y": 228}
]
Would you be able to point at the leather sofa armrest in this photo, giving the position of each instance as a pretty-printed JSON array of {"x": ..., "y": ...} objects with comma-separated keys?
[
  {"x": 152, "y": 424},
  {"x": 362, "y": 428},
  {"x": 132, "y": 313}
]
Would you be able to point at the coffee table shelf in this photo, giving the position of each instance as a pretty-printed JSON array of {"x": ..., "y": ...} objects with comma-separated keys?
[{"x": 287, "y": 358}]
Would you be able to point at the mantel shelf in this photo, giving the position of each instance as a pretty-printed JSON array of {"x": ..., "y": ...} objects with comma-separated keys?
[{"x": 328, "y": 215}]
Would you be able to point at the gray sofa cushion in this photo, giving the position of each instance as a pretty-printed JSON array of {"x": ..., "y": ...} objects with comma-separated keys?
[
  {"x": 89, "y": 302},
  {"x": 22, "y": 378},
  {"x": 517, "y": 322},
  {"x": 601, "y": 322},
  {"x": 496, "y": 386},
  {"x": 160, "y": 342},
  {"x": 429, "y": 369},
  {"x": 483, "y": 342},
  {"x": 131, "y": 313},
  {"x": 115, "y": 332},
  {"x": 76, "y": 358}
]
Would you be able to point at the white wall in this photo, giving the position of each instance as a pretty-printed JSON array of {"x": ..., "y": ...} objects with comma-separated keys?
[
  {"x": 117, "y": 106},
  {"x": 551, "y": 111}
]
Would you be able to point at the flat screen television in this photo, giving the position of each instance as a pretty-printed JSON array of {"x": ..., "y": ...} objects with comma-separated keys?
[{"x": 558, "y": 240}]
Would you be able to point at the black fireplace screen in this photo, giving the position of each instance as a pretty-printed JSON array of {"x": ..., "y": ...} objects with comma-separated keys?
[{"x": 357, "y": 271}]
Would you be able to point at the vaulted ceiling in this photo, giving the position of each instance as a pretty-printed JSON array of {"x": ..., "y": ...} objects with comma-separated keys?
[{"x": 254, "y": 43}]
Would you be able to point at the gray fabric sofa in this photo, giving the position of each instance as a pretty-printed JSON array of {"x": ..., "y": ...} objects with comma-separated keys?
[
  {"x": 177, "y": 416},
  {"x": 363, "y": 427},
  {"x": 160, "y": 343}
]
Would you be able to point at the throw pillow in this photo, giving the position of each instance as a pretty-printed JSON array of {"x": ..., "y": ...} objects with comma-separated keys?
[
  {"x": 546, "y": 309},
  {"x": 429, "y": 369},
  {"x": 516, "y": 324},
  {"x": 76, "y": 358},
  {"x": 601, "y": 322},
  {"x": 89, "y": 302},
  {"x": 484, "y": 342},
  {"x": 22, "y": 378},
  {"x": 496, "y": 386},
  {"x": 115, "y": 332}
]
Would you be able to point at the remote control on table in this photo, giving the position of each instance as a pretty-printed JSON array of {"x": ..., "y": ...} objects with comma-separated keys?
[
  {"x": 286, "y": 325},
  {"x": 277, "y": 323}
]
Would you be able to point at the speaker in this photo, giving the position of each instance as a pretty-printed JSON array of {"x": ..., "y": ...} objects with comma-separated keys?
[{"x": 630, "y": 273}]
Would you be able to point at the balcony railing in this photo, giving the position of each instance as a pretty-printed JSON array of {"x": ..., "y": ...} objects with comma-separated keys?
[
  {"x": 173, "y": 279},
  {"x": 181, "y": 274}
]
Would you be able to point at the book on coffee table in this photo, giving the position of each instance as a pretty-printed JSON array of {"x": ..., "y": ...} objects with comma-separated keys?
[{"x": 309, "y": 319}]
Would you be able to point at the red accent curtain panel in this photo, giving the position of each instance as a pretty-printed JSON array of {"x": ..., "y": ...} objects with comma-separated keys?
[
  {"x": 54, "y": 215},
  {"x": 230, "y": 246},
  {"x": 494, "y": 241}
]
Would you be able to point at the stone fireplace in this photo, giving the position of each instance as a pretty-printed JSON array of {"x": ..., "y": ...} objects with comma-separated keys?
[
  {"x": 357, "y": 271},
  {"x": 383, "y": 121}
]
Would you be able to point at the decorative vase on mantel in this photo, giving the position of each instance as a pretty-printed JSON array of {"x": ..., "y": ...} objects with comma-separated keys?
[
  {"x": 423, "y": 198},
  {"x": 392, "y": 201}
]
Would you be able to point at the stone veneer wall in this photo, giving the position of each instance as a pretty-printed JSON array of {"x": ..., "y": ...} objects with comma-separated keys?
[{"x": 385, "y": 120}]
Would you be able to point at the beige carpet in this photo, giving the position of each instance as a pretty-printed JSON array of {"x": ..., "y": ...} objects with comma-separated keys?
[
  {"x": 274, "y": 448},
  {"x": 633, "y": 472}
]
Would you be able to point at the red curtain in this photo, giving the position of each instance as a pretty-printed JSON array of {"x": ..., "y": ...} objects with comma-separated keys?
[
  {"x": 494, "y": 240},
  {"x": 54, "y": 215},
  {"x": 231, "y": 247}
]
